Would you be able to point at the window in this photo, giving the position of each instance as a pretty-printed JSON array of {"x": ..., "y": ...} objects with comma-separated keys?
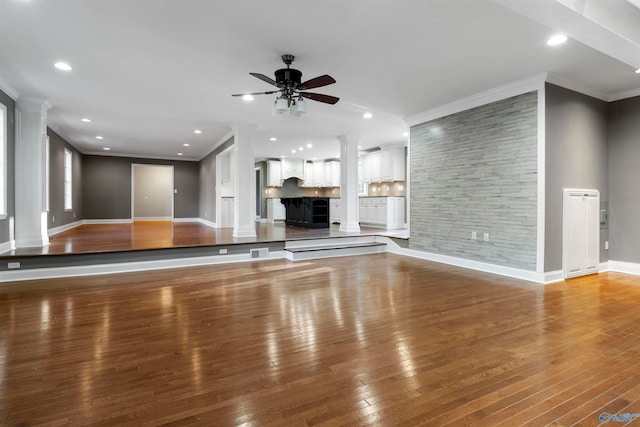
[
  {"x": 3, "y": 161},
  {"x": 68, "y": 205}
]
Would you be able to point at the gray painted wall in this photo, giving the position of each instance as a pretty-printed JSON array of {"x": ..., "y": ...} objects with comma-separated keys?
[
  {"x": 57, "y": 215},
  {"x": 8, "y": 102},
  {"x": 477, "y": 171},
  {"x": 576, "y": 157},
  {"x": 106, "y": 186},
  {"x": 207, "y": 180},
  {"x": 624, "y": 168}
]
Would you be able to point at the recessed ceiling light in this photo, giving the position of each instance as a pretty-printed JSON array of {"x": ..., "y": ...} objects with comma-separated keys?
[
  {"x": 186, "y": 145},
  {"x": 309, "y": 145},
  {"x": 106, "y": 148},
  {"x": 359, "y": 147},
  {"x": 62, "y": 66},
  {"x": 273, "y": 138},
  {"x": 556, "y": 40},
  {"x": 85, "y": 120},
  {"x": 99, "y": 137},
  {"x": 301, "y": 148},
  {"x": 638, "y": 71},
  {"x": 293, "y": 151},
  {"x": 367, "y": 115},
  {"x": 282, "y": 157},
  {"x": 197, "y": 131},
  {"x": 405, "y": 134},
  {"x": 247, "y": 97},
  {"x": 179, "y": 154}
]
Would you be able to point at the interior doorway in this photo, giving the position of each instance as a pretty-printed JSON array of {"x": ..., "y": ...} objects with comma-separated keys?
[
  {"x": 258, "y": 200},
  {"x": 151, "y": 192}
]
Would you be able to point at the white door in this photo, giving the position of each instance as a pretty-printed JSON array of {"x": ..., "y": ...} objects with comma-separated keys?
[{"x": 581, "y": 232}]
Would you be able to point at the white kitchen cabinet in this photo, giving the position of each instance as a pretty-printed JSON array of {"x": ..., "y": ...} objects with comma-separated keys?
[
  {"x": 365, "y": 169},
  {"x": 386, "y": 212},
  {"x": 292, "y": 168},
  {"x": 393, "y": 163},
  {"x": 308, "y": 176},
  {"x": 318, "y": 174},
  {"x": 376, "y": 166},
  {"x": 275, "y": 210},
  {"x": 274, "y": 173},
  {"x": 332, "y": 174},
  {"x": 334, "y": 210}
]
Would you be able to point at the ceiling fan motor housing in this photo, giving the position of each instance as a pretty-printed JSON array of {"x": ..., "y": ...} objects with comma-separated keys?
[{"x": 289, "y": 77}]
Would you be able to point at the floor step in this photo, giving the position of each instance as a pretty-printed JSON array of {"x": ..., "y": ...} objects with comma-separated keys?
[{"x": 334, "y": 250}]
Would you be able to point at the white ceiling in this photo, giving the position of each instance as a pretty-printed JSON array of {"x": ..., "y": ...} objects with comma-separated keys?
[{"x": 149, "y": 72}]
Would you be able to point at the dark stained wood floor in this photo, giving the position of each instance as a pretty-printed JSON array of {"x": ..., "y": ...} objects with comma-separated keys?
[
  {"x": 380, "y": 340},
  {"x": 139, "y": 235}
]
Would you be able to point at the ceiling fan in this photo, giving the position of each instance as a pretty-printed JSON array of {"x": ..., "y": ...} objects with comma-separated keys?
[{"x": 289, "y": 84}]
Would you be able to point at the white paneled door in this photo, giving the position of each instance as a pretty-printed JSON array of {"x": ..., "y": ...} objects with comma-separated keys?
[{"x": 581, "y": 232}]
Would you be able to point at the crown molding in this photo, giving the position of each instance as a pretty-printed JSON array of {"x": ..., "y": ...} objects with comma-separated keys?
[
  {"x": 624, "y": 95},
  {"x": 576, "y": 87},
  {"x": 221, "y": 141},
  {"x": 482, "y": 98},
  {"x": 139, "y": 156},
  {"x": 8, "y": 89}
]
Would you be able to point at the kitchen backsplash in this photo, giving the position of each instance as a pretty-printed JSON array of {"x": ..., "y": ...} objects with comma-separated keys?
[{"x": 380, "y": 189}]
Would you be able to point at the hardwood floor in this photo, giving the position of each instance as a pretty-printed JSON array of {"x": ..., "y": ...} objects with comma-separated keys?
[
  {"x": 379, "y": 340},
  {"x": 140, "y": 235}
]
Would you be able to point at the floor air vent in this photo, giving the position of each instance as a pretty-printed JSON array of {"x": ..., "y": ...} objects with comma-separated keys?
[{"x": 259, "y": 253}]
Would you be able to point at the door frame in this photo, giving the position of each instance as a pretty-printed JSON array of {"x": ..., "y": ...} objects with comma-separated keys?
[
  {"x": 133, "y": 166},
  {"x": 218, "y": 186}
]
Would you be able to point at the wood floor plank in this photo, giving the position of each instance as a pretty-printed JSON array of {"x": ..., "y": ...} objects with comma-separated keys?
[{"x": 365, "y": 340}]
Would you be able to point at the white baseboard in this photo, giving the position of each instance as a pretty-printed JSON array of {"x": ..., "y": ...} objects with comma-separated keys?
[
  {"x": 553, "y": 276},
  {"x": 7, "y": 246},
  {"x": 516, "y": 273},
  {"x": 207, "y": 222},
  {"x": 186, "y": 219},
  {"x": 624, "y": 267},
  {"x": 108, "y": 221},
  {"x": 55, "y": 230},
  {"x": 129, "y": 267}
]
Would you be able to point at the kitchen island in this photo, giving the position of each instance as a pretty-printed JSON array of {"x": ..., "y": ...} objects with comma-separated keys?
[{"x": 310, "y": 212}]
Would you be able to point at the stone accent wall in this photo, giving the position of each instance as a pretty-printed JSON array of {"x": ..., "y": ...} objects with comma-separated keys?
[{"x": 477, "y": 171}]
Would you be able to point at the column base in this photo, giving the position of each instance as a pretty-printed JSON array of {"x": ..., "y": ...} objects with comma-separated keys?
[
  {"x": 244, "y": 231},
  {"x": 351, "y": 227}
]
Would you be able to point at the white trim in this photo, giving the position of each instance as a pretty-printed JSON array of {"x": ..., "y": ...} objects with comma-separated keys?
[
  {"x": 576, "y": 87},
  {"x": 207, "y": 222},
  {"x": 4, "y": 173},
  {"x": 128, "y": 267},
  {"x": 541, "y": 179},
  {"x": 604, "y": 267},
  {"x": 516, "y": 273},
  {"x": 139, "y": 156},
  {"x": 65, "y": 227},
  {"x": 221, "y": 141},
  {"x": 153, "y": 218},
  {"x": 7, "y": 246},
  {"x": 483, "y": 98},
  {"x": 624, "y": 95},
  {"x": 624, "y": 267},
  {"x": 186, "y": 219},
  {"x": 8, "y": 89},
  {"x": 108, "y": 221},
  {"x": 553, "y": 276}
]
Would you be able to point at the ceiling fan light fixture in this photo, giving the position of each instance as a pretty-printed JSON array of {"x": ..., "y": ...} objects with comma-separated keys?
[
  {"x": 299, "y": 107},
  {"x": 281, "y": 105}
]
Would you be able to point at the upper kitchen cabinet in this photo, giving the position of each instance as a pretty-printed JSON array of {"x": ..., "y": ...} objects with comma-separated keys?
[
  {"x": 274, "y": 173},
  {"x": 332, "y": 174},
  {"x": 385, "y": 165},
  {"x": 292, "y": 168},
  {"x": 393, "y": 163}
]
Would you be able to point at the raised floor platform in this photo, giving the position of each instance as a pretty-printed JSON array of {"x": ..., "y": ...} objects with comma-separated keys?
[{"x": 110, "y": 248}]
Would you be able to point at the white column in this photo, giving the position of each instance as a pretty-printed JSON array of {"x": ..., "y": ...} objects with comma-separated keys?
[
  {"x": 349, "y": 203},
  {"x": 31, "y": 209},
  {"x": 244, "y": 221}
]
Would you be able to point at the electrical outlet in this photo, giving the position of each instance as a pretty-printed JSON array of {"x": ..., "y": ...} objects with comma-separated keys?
[
  {"x": 222, "y": 251},
  {"x": 53, "y": 218},
  {"x": 606, "y": 245},
  {"x": 13, "y": 265},
  {"x": 474, "y": 235},
  {"x": 486, "y": 237}
]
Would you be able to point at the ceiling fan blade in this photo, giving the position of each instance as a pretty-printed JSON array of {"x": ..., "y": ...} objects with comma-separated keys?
[
  {"x": 317, "y": 82},
  {"x": 327, "y": 99},
  {"x": 266, "y": 79},
  {"x": 256, "y": 93}
]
